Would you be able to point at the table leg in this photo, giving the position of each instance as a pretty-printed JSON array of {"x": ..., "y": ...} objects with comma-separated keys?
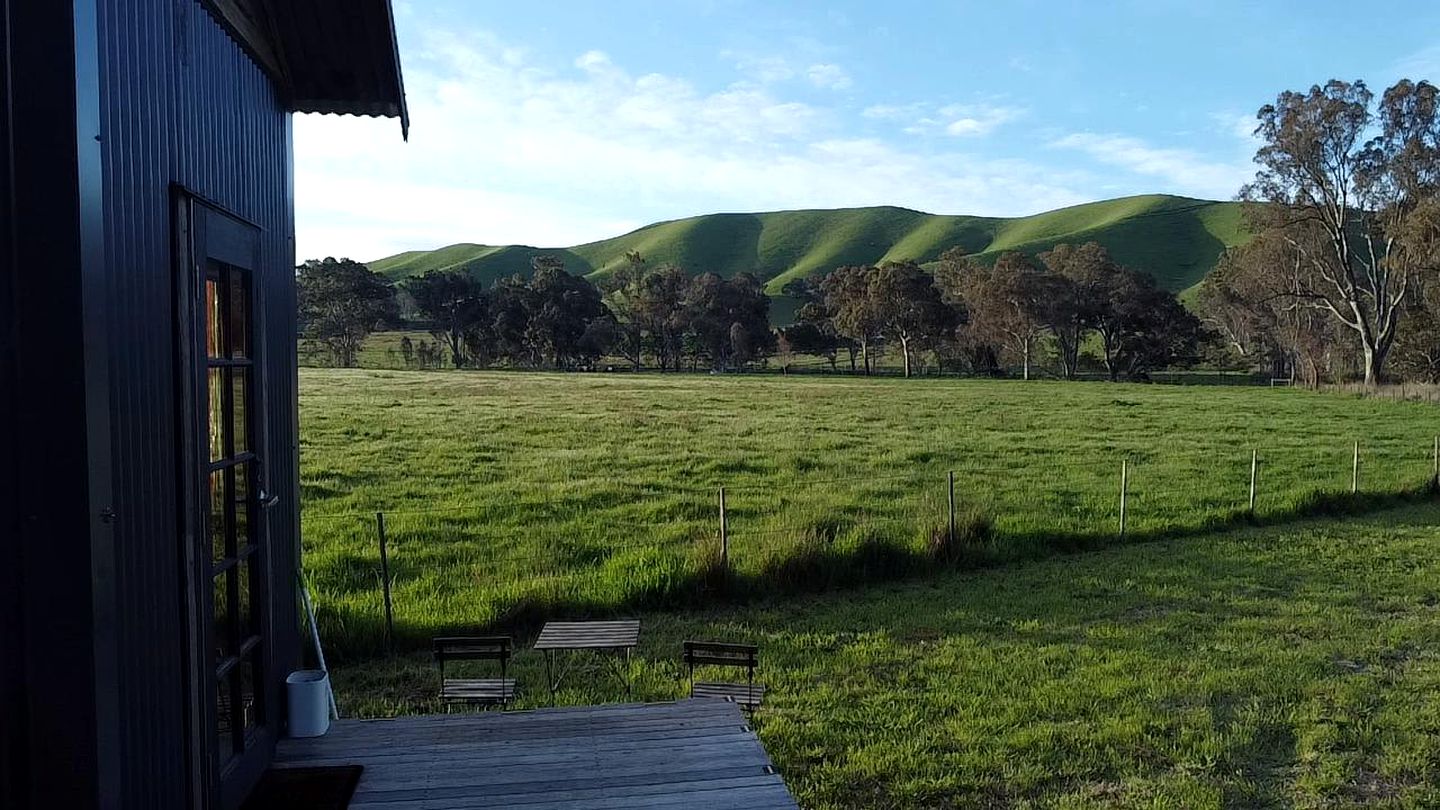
[{"x": 549, "y": 678}]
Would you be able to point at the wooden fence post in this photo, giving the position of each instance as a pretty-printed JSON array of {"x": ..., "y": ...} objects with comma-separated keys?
[
  {"x": 952, "y": 506},
  {"x": 1355, "y": 471},
  {"x": 1254, "y": 466},
  {"x": 724, "y": 536},
  {"x": 385, "y": 585},
  {"x": 1124, "y": 492}
]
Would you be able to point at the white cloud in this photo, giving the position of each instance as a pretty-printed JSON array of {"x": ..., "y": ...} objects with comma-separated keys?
[
  {"x": 762, "y": 68},
  {"x": 967, "y": 120},
  {"x": 508, "y": 148},
  {"x": 1182, "y": 170},
  {"x": 1240, "y": 126},
  {"x": 829, "y": 77},
  {"x": 958, "y": 120},
  {"x": 594, "y": 62},
  {"x": 1423, "y": 64},
  {"x": 894, "y": 112}
]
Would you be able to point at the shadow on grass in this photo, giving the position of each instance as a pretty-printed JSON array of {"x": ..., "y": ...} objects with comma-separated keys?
[{"x": 823, "y": 557}]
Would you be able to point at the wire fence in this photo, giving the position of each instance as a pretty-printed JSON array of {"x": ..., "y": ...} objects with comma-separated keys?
[{"x": 392, "y": 577}]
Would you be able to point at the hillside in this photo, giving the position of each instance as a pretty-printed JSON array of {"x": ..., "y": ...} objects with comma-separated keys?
[{"x": 1176, "y": 239}]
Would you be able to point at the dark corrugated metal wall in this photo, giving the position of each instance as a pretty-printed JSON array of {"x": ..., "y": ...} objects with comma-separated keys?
[
  {"x": 12, "y": 672},
  {"x": 182, "y": 104}
]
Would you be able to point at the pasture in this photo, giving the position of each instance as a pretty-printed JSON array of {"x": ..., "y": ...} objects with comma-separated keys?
[{"x": 510, "y": 497}]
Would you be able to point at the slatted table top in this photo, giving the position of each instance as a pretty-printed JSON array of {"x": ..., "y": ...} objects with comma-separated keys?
[{"x": 611, "y": 635}]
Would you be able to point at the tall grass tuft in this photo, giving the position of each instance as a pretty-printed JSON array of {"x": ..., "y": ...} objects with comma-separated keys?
[{"x": 973, "y": 532}]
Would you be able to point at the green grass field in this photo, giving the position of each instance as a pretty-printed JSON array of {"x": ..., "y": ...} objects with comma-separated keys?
[
  {"x": 1176, "y": 239},
  {"x": 513, "y": 496},
  {"x": 1199, "y": 662},
  {"x": 1284, "y": 666}
]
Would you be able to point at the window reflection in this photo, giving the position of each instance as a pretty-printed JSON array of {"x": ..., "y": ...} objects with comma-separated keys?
[
  {"x": 224, "y": 732},
  {"x": 240, "y": 408},
  {"x": 219, "y": 493},
  {"x": 249, "y": 701},
  {"x": 239, "y": 316},
  {"x": 215, "y": 388},
  {"x": 214, "y": 320},
  {"x": 223, "y": 641},
  {"x": 242, "y": 505}
]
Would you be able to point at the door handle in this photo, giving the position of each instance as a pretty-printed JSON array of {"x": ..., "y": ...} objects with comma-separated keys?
[{"x": 263, "y": 499}]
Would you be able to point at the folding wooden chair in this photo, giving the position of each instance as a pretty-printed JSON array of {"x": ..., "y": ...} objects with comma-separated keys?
[
  {"x": 722, "y": 654},
  {"x": 476, "y": 691}
]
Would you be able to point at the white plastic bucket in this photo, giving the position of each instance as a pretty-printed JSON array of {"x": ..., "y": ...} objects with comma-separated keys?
[{"x": 308, "y": 693}]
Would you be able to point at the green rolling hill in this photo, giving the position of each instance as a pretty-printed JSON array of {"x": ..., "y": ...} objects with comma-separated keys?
[{"x": 1175, "y": 239}]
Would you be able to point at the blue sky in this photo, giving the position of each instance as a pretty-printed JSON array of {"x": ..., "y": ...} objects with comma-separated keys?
[{"x": 559, "y": 122}]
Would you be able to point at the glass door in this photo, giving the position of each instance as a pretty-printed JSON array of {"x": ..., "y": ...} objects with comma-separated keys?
[
  {"x": 231, "y": 537},
  {"x": 225, "y": 545}
]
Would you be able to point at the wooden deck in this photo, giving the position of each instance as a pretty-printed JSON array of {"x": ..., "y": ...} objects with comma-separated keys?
[{"x": 691, "y": 754}]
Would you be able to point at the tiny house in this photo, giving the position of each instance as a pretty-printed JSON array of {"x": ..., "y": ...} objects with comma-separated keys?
[{"x": 149, "y": 515}]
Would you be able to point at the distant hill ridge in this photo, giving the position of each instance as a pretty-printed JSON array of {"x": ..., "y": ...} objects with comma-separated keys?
[{"x": 1175, "y": 239}]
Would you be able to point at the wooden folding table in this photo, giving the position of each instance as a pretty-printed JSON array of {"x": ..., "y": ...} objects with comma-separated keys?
[{"x": 617, "y": 638}]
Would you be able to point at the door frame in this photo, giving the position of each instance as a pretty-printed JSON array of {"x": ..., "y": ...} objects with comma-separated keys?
[{"x": 205, "y": 232}]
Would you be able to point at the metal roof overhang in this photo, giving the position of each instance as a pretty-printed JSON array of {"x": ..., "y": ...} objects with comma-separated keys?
[{"x": 326, "y": 56}]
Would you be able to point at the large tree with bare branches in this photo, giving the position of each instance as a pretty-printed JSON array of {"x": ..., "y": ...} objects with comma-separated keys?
[{"x": 1366, "y": 176}]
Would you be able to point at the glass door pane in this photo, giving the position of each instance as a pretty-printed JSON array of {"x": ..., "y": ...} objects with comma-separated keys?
[{"x": 233, "y": 545}]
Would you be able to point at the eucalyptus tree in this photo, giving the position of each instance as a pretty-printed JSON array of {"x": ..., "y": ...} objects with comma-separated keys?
[
  {"x": 453, "y": 305},
  {"x": 1008, "y": 303},
  {"x": 340, "y": 302},
  {"x": 1366, "y": 176},
  {"x": 907, "y": 307},
  {"x": 850, "y": 308}
]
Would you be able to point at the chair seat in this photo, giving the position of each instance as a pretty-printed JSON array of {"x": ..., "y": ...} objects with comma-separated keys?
[
  {"x": 478, "y": 690},
  {"x": 743, "y": 694}
]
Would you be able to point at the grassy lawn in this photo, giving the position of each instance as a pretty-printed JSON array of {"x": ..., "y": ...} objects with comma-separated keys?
[
  {"x": 1281, "y": 666},
  {"x": 511, "y": 496}
]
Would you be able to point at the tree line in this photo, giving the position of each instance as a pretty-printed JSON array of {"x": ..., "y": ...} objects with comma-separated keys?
[
  {"x": 976, "y": 317},
  {"x": 965, "y": 315},
  {"x": 551, "y": 319},
  {"x": 1339, "y": 280}
]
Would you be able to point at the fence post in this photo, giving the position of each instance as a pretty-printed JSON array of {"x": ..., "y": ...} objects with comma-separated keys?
[
  {"x": 1435, "y": 473},
  {"x": 724, "y": 536},
  {"x": 1124, "y": 492},
  {"x": 385, "y": 585},
  {"x": 1355, "y": 471},
  {"x": 1254, "y": 466},
  {"x": 952, "y": 505}
]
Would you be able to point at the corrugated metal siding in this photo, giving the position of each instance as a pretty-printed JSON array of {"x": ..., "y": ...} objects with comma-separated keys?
[
  {"x": 12, "y": 671},
  {"x": 181, "y": 103}
]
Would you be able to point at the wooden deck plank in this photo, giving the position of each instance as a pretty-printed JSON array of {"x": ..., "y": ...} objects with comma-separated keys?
[
  {"x": 501, "y": 768},
  {"x": 559, "y": 715},
  {"x": 579, "y": 796},
  {"x": 691, "y": 754},
  {"x": 548, "y": 764},
  {"x": 399, "y": 755},
  {"x": 751, "y": 797},
  {"x": 615, "y": 784},
  {"x": 479, "y": 729},
  {"x": 458, "y": 735},
  {"x": 480, "y": 721}
]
